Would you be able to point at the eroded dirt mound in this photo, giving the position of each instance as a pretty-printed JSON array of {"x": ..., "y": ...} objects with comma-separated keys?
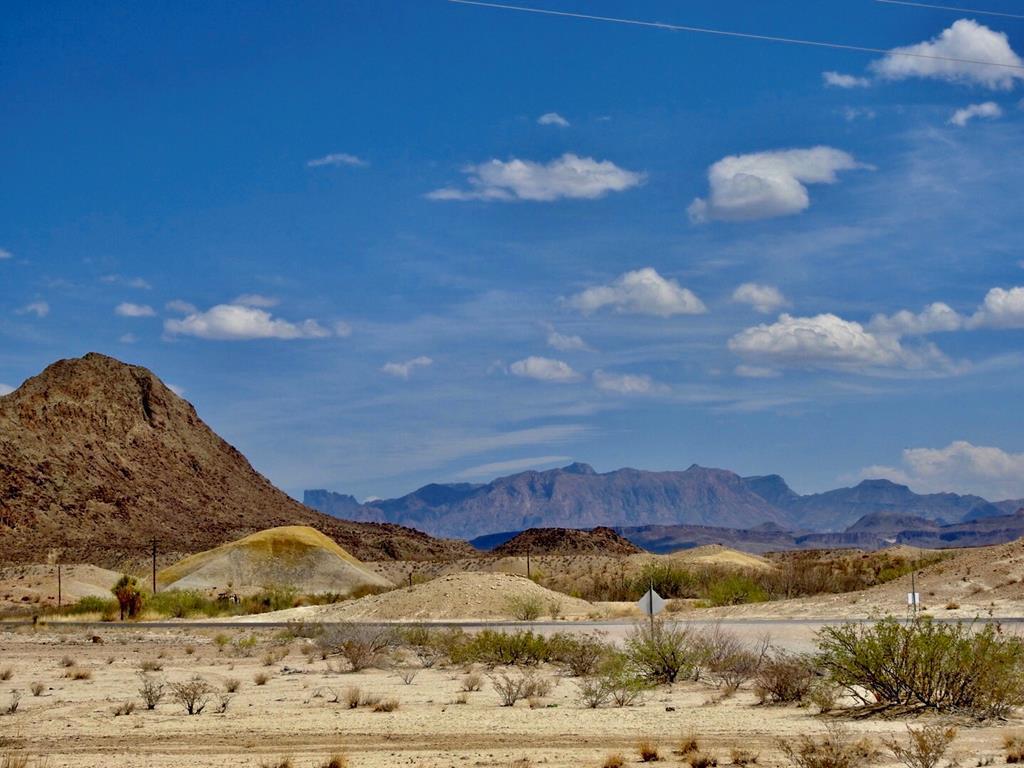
[
  {"x": 715, "y": 554},
  {"x": 456, "y": 596},
  {"x": 294, "y": 556},
  {"x": 98, "y": 457},
  {"x": 567, "y": 541}
]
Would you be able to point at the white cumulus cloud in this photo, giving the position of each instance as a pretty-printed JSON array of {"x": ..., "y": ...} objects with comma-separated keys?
[
  {"x": 988, "y": 110},
  {"x": 966, "y": 40},
  {"x": 828, "y": 341},
  {"x": 127, "y": 309},
  {"x": 640, "y": 292},
  {"x": 5, "y": 389},
  {"x": 936, "y": 317},
  {"x": 335, "y": 159},
  {"x": 553, "y": 118},
  {"x": 544, "y": 369},
  {"x": 626, "y": 383},
  {"x": 404, "y": 370},
  {"x": 568, "y": 176},
  {"x": 960, "y": 466},
  {"x": 763, "y": 185},
  {"x": 233, "y": 322},
  {"x": 763, "y": 298},
  {"x": 1002, "y": 308},
  {"x": 841, "y": 80}
]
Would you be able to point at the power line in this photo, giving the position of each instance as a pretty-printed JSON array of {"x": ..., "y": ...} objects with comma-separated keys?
[
  {"x": 728, "y": 33},
  {"x": 953, "y": 9}
]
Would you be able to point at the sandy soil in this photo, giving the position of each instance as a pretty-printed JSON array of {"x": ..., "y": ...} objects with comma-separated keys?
[{"x": 72, "y": 723}]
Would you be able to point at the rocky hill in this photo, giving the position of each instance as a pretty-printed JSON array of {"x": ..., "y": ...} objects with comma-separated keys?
[
  {"x": 567, "y": 541},
  {"x": 98, "y": 457}
]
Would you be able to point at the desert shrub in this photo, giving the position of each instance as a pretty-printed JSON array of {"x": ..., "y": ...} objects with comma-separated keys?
[
  {"x": 12, "y": 703},
  {"x": 223, "y": 702},
  {"x": 1013, "y": 745},
  {"x": 386, "y": 705},
  {"x": 593, "y": 691},
  {"x": 736, "y": 588},
  {"x": 728, "y": 661},
  {"x": 668, "y": 579},
  {"x": 577, "y": 655},
  {"x": 945, "y": 667},
  {"x": 538, "y": 687},
  {"x": 37, "y": 688},
  {"x": 510, "y": 688},
  {"x": 186, "y": 603},
  {"x": 335, "y": 761},
  {"x": 925, "y": 748},
  {"x": 407, "y": 674},
  {"x": 261, "y": 678},
  {"x": 67, "y": 661},
  {"x": 426, "y": 644},
  {"x": 12, "y": 760},
  {"x": 472, "y": 682},
  {"x": 663, "y": 652},
  {"x": 361, "y": 646},
  {"x": 784, "y": 678},
  {"x": 688, "y": 744},
  {"x": 525, "y": 607},
  {"x": 6, "y": 673},
  {"x": 151, "y": 665},
  {"x": 614, "y": 760},
  {"x": 91, "y": 604},
  {"x": 506, "y": 648},
  {"x": 648, "y": 751},
  {"x": 128, "y": 595},
  {"x": 151, "y": 690},
  {"x": 738, "y": 756},
  {"x": 273, "y": 656},
  {"x": 78, "y": 673},
  {"x": 193, "y": 694},
  {"x": 836, "y": 749},
  {"x": 232, "y": 684},
  {"x": 126, "y": 708},
  {"x": 272, "y": 598},
  {"x": 353, "y": 696}
]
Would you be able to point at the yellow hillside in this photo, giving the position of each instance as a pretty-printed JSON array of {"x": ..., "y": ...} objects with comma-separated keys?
[
  {"x": 716, "y": 554},
  {"x": 295, "y": 556}
]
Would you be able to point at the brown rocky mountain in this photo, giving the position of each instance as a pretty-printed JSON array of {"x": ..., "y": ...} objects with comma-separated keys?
[
  {"x": 567, "y": 541},
  {"x": 98, "y": 457}
]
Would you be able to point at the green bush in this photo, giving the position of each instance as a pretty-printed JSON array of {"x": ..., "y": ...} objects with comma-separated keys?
[
  {"x": 662, "y": 652},
  {"x": 957, "y": 668},
  {"x": 505, "y": 648},
  {"x": 91, "y": 604},
  {"x": 735, "y": 589}
]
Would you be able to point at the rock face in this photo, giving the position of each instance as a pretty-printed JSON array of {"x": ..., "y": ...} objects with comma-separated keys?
[
  {"x": 567, "y": 541},
  {"x": 98, "y": 457}
]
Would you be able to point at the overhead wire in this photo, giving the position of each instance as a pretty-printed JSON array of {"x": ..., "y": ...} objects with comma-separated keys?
[
  {"x": 733, "y": 34},
  {"x": 952, "y": 9}
]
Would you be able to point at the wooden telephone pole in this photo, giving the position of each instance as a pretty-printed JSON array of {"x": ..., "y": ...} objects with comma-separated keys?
[{"x": 154, "y": 566}]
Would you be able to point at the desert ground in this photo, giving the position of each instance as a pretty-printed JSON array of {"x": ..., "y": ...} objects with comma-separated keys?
[{"x": 300, "y": 713}]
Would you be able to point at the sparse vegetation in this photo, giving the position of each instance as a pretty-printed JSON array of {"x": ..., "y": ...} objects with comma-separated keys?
[
  {"x": 335, "y": 761},
  {"x": 12, "y": 703},
  {"x": 37, "y": 688},
  {"x": 126, "y": 708},
  {"x": 193, "y": 694},
  {"x": 361, "y": 646},
  {"x": 6, "y": 673},
  {"x": 151, "y": 690},
  {"x": 386, "y": 705},
  {"x": 511, "y": 687},
  {"x": 1013, "y": 746},
  {"x": 129, "y": 596},
  {"x": 614, "y": 760},
  {"x": 956, "y": 668},
  {"x": 663, "y": 652},
  {"x": 836, "y": 749},
  {"x": 784, "y": 678},
  {"x": 739, "y": 756},
  {"x": 261, "y": 678},
  {"x": 926, "y": 746},
  {"x": 472, "y": 682},
  {"x": 648, "y": 751},
  {"x": 525, "y": 607}
]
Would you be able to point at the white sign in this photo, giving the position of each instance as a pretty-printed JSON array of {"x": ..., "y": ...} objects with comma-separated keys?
[
  {"x": 652, "y": 603},
  {"x": 913, "y": 598}
]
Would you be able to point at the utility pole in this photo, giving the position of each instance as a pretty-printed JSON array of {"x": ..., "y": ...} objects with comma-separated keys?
[
  {"x": 154, "y": 565},
  {"x": 528, "y": 561},
  {"x": 913, "y": 592},
  {"x": 650, "y": 598},
  {"x": 58, "y": 586}
]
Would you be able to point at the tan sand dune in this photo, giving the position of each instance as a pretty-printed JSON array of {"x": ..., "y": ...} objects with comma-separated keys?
[{"x": 292, "y": 556}]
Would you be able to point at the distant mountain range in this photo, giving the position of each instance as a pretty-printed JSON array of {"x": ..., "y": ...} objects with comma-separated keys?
[{"x": 578, "y": 497}]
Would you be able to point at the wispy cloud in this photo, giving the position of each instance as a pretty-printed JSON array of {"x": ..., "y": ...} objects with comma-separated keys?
[
  {"x": 256, "y": 300},
  {"x": 544, "y": 369},
  {"x": 763, "y": 298},
  {"x": 553, "y": 118},
  {"x": 336, "y": 159},
  {"x": 5, "y": 254},
  {"x": 564, "y": 342},
  {"x": 627, "y": 383},
  {"x": 37, "y": 308},
  {"x": 988, "y": 110},
  {"x": 501, "y": 468},
  {"x": 127, "y": 282},
  {"x": 128, "y": 309},
  {"x": 841, "y": 80},
  {"x": 566, "y": 177},
  {"x": 403, "y": 370}
]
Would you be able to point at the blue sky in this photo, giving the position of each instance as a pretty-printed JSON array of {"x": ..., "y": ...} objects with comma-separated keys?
[{"x": 382, "y": 244}]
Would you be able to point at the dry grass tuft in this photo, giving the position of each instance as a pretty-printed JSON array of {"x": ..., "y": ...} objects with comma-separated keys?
[
  {"x": 1013, "y": 745},
  {"x": 648, "y": 751},
  {"x": 261, "y": 678},
  {"x": 336, "y": 761},
  {"x": 614, "y": 760},
  {"x": 386, "y": 705}
]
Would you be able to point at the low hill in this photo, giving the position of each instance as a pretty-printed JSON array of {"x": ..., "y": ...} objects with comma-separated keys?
[
  {"x": 295, "y": 556},
  {"x": 98, "y": 457},
  {"x": 567, "y": 541}
]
